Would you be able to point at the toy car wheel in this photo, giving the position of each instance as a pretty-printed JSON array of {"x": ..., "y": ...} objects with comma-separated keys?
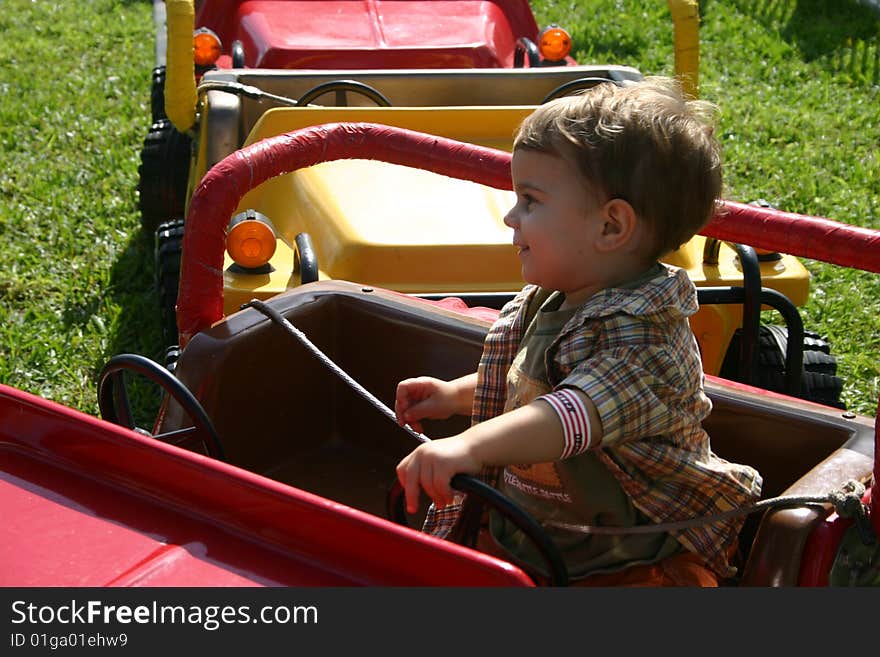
[
  {"x": 819, "y": 382},
  {"x": 114, "y": 406},
  {"x": 558, "y": 572},
  {"x": 168, "y": 247},
  {"x": 163, "y": 174}
]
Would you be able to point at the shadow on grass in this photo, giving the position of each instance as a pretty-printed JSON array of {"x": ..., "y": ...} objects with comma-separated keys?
[
  {"x": 137, "y": 329},
  {"x": 843, "y": 36}
]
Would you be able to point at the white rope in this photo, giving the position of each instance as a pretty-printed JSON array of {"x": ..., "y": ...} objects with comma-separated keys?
[{"x": 278, "y": 318}]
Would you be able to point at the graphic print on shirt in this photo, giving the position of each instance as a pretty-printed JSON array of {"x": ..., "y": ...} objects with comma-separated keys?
[{"x": 541, "y": 479}]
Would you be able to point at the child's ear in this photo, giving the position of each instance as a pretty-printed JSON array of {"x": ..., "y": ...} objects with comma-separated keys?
[{"x": 619, "y": 227}]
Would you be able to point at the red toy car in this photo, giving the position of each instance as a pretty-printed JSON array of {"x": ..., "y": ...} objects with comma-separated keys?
[{"x": 293, "y": 476}]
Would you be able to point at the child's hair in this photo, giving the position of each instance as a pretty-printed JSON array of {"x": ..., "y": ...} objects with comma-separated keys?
[{"x": 643, "y": 142}]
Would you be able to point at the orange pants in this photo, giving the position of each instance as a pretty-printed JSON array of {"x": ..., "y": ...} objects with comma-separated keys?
[{"x": 682, "y": 569}]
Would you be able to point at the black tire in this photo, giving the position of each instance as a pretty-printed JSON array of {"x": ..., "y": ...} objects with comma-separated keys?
[
  {"x": 169, "y": 244},
  {"x": 163, "y": 175},
  {"x": 819, "y": 382},
  {"x": 157, "y": 95}
]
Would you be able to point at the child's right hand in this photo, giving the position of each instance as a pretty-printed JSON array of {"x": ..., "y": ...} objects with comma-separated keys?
[
  {"x": 424, "y": 398},
  {"x": 431, "y": 466}
]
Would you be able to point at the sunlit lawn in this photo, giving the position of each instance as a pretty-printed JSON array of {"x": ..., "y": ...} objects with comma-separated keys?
[{"x": 797, "y": 82}]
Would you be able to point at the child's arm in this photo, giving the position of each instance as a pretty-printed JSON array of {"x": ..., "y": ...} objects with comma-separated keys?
[
  {"x": 530, "y": 434},
  {"x": 427, "y": 397}
]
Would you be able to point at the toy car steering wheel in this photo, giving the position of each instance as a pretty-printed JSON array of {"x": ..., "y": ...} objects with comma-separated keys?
[
  {"x": 575, "y": 85},
  {"x": 488, "y": 495},
  {"x": 342, "y": 87},
  {"x": 114, "y": 407}
]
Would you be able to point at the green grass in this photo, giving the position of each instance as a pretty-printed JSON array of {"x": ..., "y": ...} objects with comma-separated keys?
[
  {"x": 75, "y": 280},
  {"x": 797, "y": 82}
]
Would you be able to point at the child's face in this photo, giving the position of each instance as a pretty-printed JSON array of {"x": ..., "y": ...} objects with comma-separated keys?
[{"x": 555, "y": 223}]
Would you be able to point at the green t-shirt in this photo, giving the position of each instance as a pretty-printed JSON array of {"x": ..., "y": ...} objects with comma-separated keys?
[{"x": 577, "y": 490}]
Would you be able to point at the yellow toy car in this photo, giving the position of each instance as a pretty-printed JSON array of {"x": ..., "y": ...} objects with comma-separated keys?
[{"x": 417, "y": 232}]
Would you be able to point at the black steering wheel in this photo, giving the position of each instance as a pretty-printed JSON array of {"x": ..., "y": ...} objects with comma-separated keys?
[
  {"x": 114, "y": 406},
  {"x": 342, "y": 88},
  {"x": 526, "y": 48},
  {"x": 572, "y": 86},
  {"x": 558, "y": 572}
]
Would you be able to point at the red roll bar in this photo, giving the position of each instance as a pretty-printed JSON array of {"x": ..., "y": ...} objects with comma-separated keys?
[
  {"x": 200, "y": 298},
  {"x": 200, "y": 301}
]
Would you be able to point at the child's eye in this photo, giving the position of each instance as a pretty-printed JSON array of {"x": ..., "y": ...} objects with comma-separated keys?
[{"x": 528, "y": 199}]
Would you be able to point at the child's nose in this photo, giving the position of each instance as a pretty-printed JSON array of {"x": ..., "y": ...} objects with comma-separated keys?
[{"x": 510, "y": 219}]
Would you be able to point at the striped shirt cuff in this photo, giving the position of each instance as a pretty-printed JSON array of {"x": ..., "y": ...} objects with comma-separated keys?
[{"x": 575, "y": 422}]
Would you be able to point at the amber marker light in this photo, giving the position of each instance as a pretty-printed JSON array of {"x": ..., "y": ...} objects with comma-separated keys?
[
  {"x": 554, "y": 43},
  {"x": 206, "y": 47},
  {"x": 250, "y": 239}
]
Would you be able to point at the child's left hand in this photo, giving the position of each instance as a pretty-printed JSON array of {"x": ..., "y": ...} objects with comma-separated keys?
[{"x": 431, "y": 466}]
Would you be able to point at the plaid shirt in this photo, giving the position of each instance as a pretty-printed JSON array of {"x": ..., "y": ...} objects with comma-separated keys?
[{"x": 633, "y": 354}]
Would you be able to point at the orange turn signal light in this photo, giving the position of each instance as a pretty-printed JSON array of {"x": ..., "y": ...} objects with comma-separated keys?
[
  {"x": 554, "y": 43},
  {"x": 206, "y": 47},
  {"x": 250, "y": 239}
]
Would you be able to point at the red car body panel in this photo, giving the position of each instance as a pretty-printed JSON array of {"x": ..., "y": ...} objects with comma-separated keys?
[
  {"x": 370, "y": 34},
  {"x": 89, "y": 503}
]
